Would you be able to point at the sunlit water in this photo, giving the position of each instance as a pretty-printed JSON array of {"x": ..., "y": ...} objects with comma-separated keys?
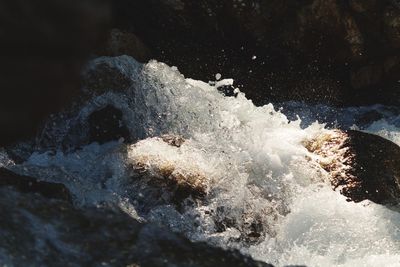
[{"x": 252, "y": 156}]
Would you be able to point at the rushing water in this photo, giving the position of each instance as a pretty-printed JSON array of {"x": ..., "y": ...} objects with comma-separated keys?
[{"x": 252, "y": 157}]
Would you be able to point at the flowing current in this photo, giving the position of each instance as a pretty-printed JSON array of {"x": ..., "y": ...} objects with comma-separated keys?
[{"x": 264, "y": 197}]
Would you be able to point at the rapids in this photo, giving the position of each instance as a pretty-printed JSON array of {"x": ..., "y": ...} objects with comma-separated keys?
[{"x": 253, "y": 157}]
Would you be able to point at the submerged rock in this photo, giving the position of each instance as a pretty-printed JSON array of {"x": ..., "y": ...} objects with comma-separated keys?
[
  {"x": 36, "y": 231},
  {"x": 175, "y": 174},
  {"x": 363, "y": 166},
  {"x": 169, "y": 170}
]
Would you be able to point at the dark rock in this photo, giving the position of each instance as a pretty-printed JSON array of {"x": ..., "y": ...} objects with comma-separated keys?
[
  {"x": 363, "y": 166},
  {"x": 327, "y": 51},
  {"x": 36, "y": 231},
  {"x": 33, "y": 185},
  {"x": 42, "y": 54},
  {"x": 107, "y": 125}
]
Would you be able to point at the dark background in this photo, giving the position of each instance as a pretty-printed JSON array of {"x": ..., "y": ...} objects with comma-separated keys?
[{"x": 337, "y": 52}]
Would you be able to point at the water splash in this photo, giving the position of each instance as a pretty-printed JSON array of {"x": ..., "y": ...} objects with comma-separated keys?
[{"x": 264, "y": 196}]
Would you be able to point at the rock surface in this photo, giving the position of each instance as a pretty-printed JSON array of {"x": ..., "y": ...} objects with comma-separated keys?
[
  {"x": 338, "y": 52},
  {"x": 363, "y": 166},
  {"x": 36, "y": 231}
]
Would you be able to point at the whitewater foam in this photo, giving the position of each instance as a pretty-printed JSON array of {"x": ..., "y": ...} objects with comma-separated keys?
[{"x": 260, "y": 171}]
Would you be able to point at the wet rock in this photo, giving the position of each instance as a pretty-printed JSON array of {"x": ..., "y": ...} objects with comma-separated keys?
[
  {"x": 169, "y": 176},
  {"x": 361, "y": 165},
  {"x": 28, "y": 184},
  {"x": 106, "y": 125},
  {"x": 176, "y": 178},
  {"x": 36, "y": 231}
]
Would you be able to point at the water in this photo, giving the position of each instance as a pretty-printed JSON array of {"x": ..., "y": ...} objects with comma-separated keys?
[{"x": 263, "y": 196}]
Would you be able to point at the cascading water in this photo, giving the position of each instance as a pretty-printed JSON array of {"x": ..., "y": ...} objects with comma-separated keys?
[{"x": 264, "y": 196}]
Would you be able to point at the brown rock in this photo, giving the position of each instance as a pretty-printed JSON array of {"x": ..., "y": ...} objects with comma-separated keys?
[
  {"x": 181, "y": 182},
  {"x": 363, "y": 166},
  {"x": 177, "y": 177}
]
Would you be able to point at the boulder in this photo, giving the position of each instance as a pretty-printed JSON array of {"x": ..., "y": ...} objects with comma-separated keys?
[
  {"x": 361, "y": 165},
  {"x": 36, "y": 231}
]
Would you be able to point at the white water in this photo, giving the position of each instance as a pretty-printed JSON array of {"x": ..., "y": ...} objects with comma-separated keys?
[{"x": 252, "y": 155}]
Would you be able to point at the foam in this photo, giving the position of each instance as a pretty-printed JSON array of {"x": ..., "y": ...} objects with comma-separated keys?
[{"x": 253, "y": 155}]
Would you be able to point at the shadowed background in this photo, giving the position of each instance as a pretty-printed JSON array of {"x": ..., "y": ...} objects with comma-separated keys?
[{"x": 339, "y": 52}]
